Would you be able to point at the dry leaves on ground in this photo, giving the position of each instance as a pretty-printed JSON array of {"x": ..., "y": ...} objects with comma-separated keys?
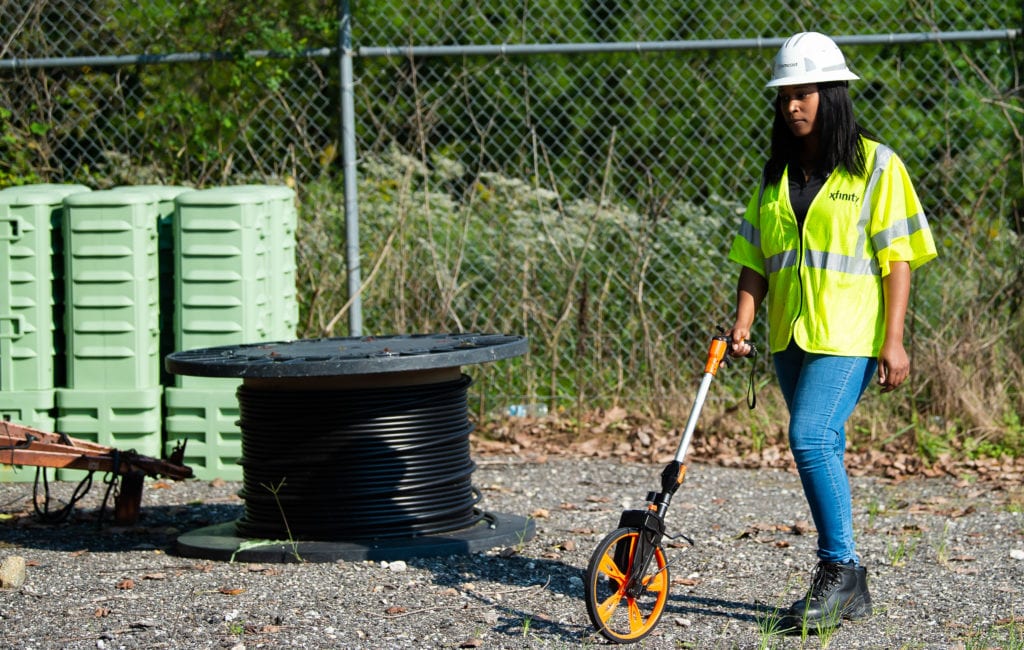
[{"x": 615, "y": 433}]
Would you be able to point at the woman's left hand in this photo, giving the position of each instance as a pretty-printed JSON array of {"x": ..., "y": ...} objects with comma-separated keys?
[{"x": 893, "y": 366}]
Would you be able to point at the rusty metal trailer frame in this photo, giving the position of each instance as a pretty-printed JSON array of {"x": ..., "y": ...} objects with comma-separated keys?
[{"x": 23, "y": 445}]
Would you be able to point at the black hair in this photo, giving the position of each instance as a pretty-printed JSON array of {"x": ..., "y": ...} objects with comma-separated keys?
[{"x": 839, "y": 136}]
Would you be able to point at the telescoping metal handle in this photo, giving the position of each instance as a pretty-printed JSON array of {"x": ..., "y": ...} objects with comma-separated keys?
[{"x": 716, "y": 356}]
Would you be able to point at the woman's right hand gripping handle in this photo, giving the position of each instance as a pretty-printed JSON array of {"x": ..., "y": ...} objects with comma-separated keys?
[{"x": 739, "y": 346}]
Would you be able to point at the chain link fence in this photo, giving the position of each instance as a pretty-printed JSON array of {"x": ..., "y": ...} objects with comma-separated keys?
[{"x": 573, "y": 171}]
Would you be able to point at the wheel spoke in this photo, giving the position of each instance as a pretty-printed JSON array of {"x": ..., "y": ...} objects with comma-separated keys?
[
  {"x": 656, "y": 582},
  {"x": 636, "y": 619},
  {"x": 610, "y": 569},
  {"x": 608, "y": 607}
]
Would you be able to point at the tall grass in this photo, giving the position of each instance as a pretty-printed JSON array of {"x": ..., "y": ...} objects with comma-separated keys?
[{"x": 619, "y": 305}]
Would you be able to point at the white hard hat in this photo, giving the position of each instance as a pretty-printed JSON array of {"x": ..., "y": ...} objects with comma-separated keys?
[{"x": 807, "y": 58}]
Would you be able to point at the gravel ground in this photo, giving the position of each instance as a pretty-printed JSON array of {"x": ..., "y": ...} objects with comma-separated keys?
[{"x": 946, "y": 561}]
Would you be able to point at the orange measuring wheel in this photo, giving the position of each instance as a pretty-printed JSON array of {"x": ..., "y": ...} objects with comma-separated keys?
[
  {"x": 625, "y": 594},
  {"x": 626, "y": 583}
]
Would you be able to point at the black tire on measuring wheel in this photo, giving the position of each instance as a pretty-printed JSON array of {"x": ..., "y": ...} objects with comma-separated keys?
[{"x": 618, "y": 616}]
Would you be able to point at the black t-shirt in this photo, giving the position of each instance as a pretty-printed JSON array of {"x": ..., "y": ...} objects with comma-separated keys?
[{"x": 802, "y": 192}]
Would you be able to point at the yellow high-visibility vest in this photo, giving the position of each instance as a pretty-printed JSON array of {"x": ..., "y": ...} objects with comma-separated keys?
[{"x": 824, "y": 284}]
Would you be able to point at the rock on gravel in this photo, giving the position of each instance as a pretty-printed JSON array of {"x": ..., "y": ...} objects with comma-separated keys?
[
  {"x": 12, "y": 572},
  {"x": 940, "y": 554}
]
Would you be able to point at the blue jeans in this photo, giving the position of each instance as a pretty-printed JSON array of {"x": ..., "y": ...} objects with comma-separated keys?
[{"x": 821, "y": 392}]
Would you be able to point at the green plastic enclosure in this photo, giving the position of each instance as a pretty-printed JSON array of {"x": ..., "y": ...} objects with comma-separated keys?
[
  {"x": 282, "y": 220},
  {"x": 111, "y": 288},
  {"x": 221, "y": 271},
  {"x": 123, "y": 419}
]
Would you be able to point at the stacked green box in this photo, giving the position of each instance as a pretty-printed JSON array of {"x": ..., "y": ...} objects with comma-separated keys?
[
  {"x": 113, "y": 393},
  {"x": 35, "y": 199},
  {"x": 28, "y": 322},
  {"x": 234, "y": 284},
  {"x": 221, "y": 270}
]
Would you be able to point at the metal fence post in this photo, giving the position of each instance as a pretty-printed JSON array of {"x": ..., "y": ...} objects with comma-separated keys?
[{"x": 348, "y": 156}]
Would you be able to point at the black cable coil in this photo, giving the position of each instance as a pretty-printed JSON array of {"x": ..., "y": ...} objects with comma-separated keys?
[{"x": 357, "y": 464}]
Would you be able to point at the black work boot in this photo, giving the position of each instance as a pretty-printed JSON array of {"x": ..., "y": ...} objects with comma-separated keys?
[{"x": 837, "y": 591}]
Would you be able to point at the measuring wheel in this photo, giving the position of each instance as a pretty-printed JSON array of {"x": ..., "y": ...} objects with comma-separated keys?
[
  {"x": 626, "y": 584},
  {"x": 625, "y": 595}
]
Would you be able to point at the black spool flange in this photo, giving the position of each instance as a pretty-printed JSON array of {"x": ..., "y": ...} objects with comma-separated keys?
[
  {"x": 344, "y": 356},
  {"x": 387, "y": 412}
]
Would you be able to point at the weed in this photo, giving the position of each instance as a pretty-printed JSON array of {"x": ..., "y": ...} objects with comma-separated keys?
[
  {"x": 757, "y": 440},
  {"x": 526, "y": 626},
  {"x": 805, "y": 632},
  {"x": 931, "y": 445},
  {"x": 874, "y": 510},
  {"x": 275, "y": 490},
  {"x": 901, "y": 552},
  {"x": 521, "y": 535},
  {"x": 1008, "y": 636},
  {"x": 256, "y": 543},
  {"x": 826, "y": 627},
  {"x": 769, "y": 628}
]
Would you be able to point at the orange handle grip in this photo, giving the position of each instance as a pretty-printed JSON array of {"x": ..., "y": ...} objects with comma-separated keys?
[{"x": 719, "y": 348}]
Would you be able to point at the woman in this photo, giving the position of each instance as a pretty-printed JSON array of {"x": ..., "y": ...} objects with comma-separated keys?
[{"x": 830, "y": 237}]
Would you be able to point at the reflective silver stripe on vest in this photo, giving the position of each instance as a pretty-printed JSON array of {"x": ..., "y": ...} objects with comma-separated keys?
[
  {"x": 904, "y": 228},
  {"x": 751, "y": 234},
  {"x": 840, "y": 263},
  {"x": 882, "y": 156},
  {"x": 780, "y": 261}
]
